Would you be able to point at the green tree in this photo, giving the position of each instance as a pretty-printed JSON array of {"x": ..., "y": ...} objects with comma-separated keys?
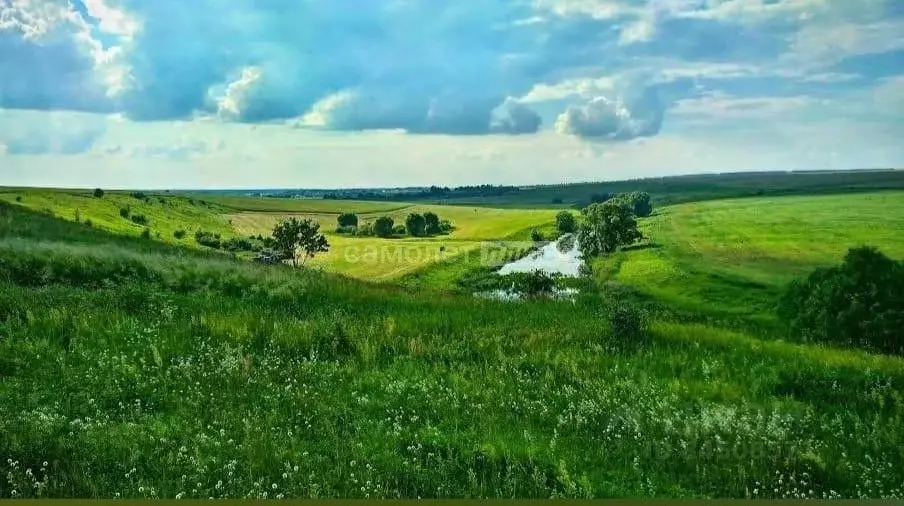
[
  {"x": 416, "y": 225},
  {"x": 431, "y": 223},
  {"x": 859, "y": 303},
  {"x": 348, "y": 220},
  {"x": 292, "y": 235},
  {"x": 566, "y": 223},
  {"x": 607, "y": 227},
  {"x": 98, "y": 193},
  {"x": 639, "y": 202},
  {"x": 383, "y": 226}
]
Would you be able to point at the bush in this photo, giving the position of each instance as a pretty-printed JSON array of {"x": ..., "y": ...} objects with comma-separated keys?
[
  {"x": 89, "y": 223},
  {"x": 627, "y": 327},
  {"x": 416, "y": 225},
  {"x": 139, "y": 195},
  {"x": 98, "y": 193},
  {"x": 536, "y": 236},
  {"x": 566, "y": 223},
  {"x": 139, "y": 219},
  {"x": 347, "y": 220},
  {"x": 348, "y": 229},
  {"x": 382, "y": 226},
  {"x": 532, "y": 284},
  {"x": 859, "y": 303},
  {"x": 179, "y": 234},
  {"x": 445, "y": 227},
  {"x": 237, "y": 244},
  {"x": 18, "y": 198},
  {"x": 125, "y": 212},
  {"x": 399, "y": 230},
  {"x": 208, "y": 239},
  {"x": 146, "y": 233}
]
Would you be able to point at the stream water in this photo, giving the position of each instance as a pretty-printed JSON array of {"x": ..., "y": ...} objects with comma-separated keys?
[{"x": 559, "y": 257}]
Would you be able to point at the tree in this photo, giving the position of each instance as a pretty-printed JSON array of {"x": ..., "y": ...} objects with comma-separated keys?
[
  {"x": 415, "y": 224},
  {"x": 565, "y": 222},
  {"x": 98, "y": 193},
  {"x": 383, "y": 226},
  {"x": 607, "y": 227},
  {"x": 293, "y": 234},
  {"x": 638, "y": 201},
  {"x": 431, "y": 223},
  {"x": 859, "y": 303},
  {"x": 348, "y": 220}
]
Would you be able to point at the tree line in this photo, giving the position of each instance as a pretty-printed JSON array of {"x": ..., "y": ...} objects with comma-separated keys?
[{"x": 415, "y": 225}]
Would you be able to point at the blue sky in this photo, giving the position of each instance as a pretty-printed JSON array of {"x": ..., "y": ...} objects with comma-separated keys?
[{"x": 343, "y": 93}]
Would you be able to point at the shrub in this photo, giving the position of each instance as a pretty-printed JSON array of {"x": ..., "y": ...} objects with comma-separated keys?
[
  {"x": 139, "y": 195},
  {"x": 416, "y": 225},
  {"x": 536, "y": 236},
  {"x": 89, "y": 223},
  {"x": 399, "y": 230},
  {"x": 348, "y": 229},
  {"x": 179, "y": 234},
  {"x": 566, "y": 223},
  {"x": 237, "y": 244},
  {"x": 146, "y": 233},
  {"x": 125, "y": 212},
  {"x": 859, "y": 303},
  {"x": 139, "y": 219},
  {"x": 98, "y": 193},
  {"x": 627, "y": 327},
  {"x": 382, "y": 226},
  {"x": 347, "y": 220},
  {"x": 532, "y": 284},
  {"x": 445, "y": 226},
  {"x": 18, "y": 198},
  {"x": 207, "y": 239},
  {"x": 365, "y": 230}
]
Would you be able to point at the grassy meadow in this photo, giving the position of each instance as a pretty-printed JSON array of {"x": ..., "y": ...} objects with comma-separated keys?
[
  {"x": 142, "y": 368},
  {"x": 734, "y": 256}
]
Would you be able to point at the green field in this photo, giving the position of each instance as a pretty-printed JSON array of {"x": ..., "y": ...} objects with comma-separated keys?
[
  {"x": 734, "y": 256},
  {"x": 143, "y": 368}
]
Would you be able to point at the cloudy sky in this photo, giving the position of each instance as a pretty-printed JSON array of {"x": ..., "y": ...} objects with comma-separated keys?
[{"x": 354, "y": 93}]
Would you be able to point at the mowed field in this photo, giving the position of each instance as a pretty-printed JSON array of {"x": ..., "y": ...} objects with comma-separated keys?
[
  {"x": 735, "y": 255},
  {"x": 379, "y": 259}
]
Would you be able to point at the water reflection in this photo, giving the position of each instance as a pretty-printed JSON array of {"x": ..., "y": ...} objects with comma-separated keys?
[{"x": 560, "y": 257}]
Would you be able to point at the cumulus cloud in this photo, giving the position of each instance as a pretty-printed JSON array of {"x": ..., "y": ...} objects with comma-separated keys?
[
  {"x": 622, "y": 118},
  {"x": 513, "y": 117}
]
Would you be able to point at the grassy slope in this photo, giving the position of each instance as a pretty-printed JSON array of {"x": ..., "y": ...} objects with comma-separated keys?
[
  {"x": 166, "y": 214},
  {"x": 733, "y": 256},
  {"x": 134, "y": 370}
]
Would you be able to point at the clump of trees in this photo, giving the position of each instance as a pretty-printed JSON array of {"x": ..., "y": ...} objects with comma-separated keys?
[
  {"x": 209, "y": 239},
  {"x": 125, "y": 212},
  {"x": 859, "y": 303},
  {"x": 566, "y": 222},
  {"x": 607, "y": 227},
  {"x": 139, "y": 219},
  {"x": 98, "y": 193},
  {"x": 638, "y": 201},
  {"x": 179, "y": 234},
  {"x": 416, "y": 225},
  {"x": 294, "y": 236}
]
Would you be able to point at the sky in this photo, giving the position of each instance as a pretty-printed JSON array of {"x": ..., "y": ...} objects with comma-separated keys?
[{"x": 386, "y": 93}]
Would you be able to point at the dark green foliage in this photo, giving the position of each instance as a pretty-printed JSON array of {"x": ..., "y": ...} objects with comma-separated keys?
[
  {"x": 237, "y": 244},
  {"x": 445, "y": 226},
  {"x": 208, "y": 239},
  {"x": 347, "y": 220},
  {"x": 532, "y": 284},
  {"x": 416, "y": 225},
  {"x": 125, "y": 212},
  {"x": 859, "y": 303},
  {"x": 139, "y": 219},
  {"x": 146, "y": 234},
  {"x": 293, "y": 235},
  {"x": 179, "y": 234},
  {"x": 399, "y": 230},
  {"x": 382, "y": 226},
  {"x": 18, "y": 198},
  {"x": 627, "y": 327},
  {"x": 350, "y": 230},
  {"x": 431, "y": 223},
  {"x": 139, "y": 195},
  {"x": 566, "y": 222},
  {"x": 536, "y": 236},
  {"x": 639, "y": 202},
  {"x": 607, "y": 227},
  {"x": 89, "y": 223},
  {"x": 98, "y": 193}
]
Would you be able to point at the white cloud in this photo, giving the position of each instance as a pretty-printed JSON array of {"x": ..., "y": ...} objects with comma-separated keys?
[{"x": 234, "y": 98}]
